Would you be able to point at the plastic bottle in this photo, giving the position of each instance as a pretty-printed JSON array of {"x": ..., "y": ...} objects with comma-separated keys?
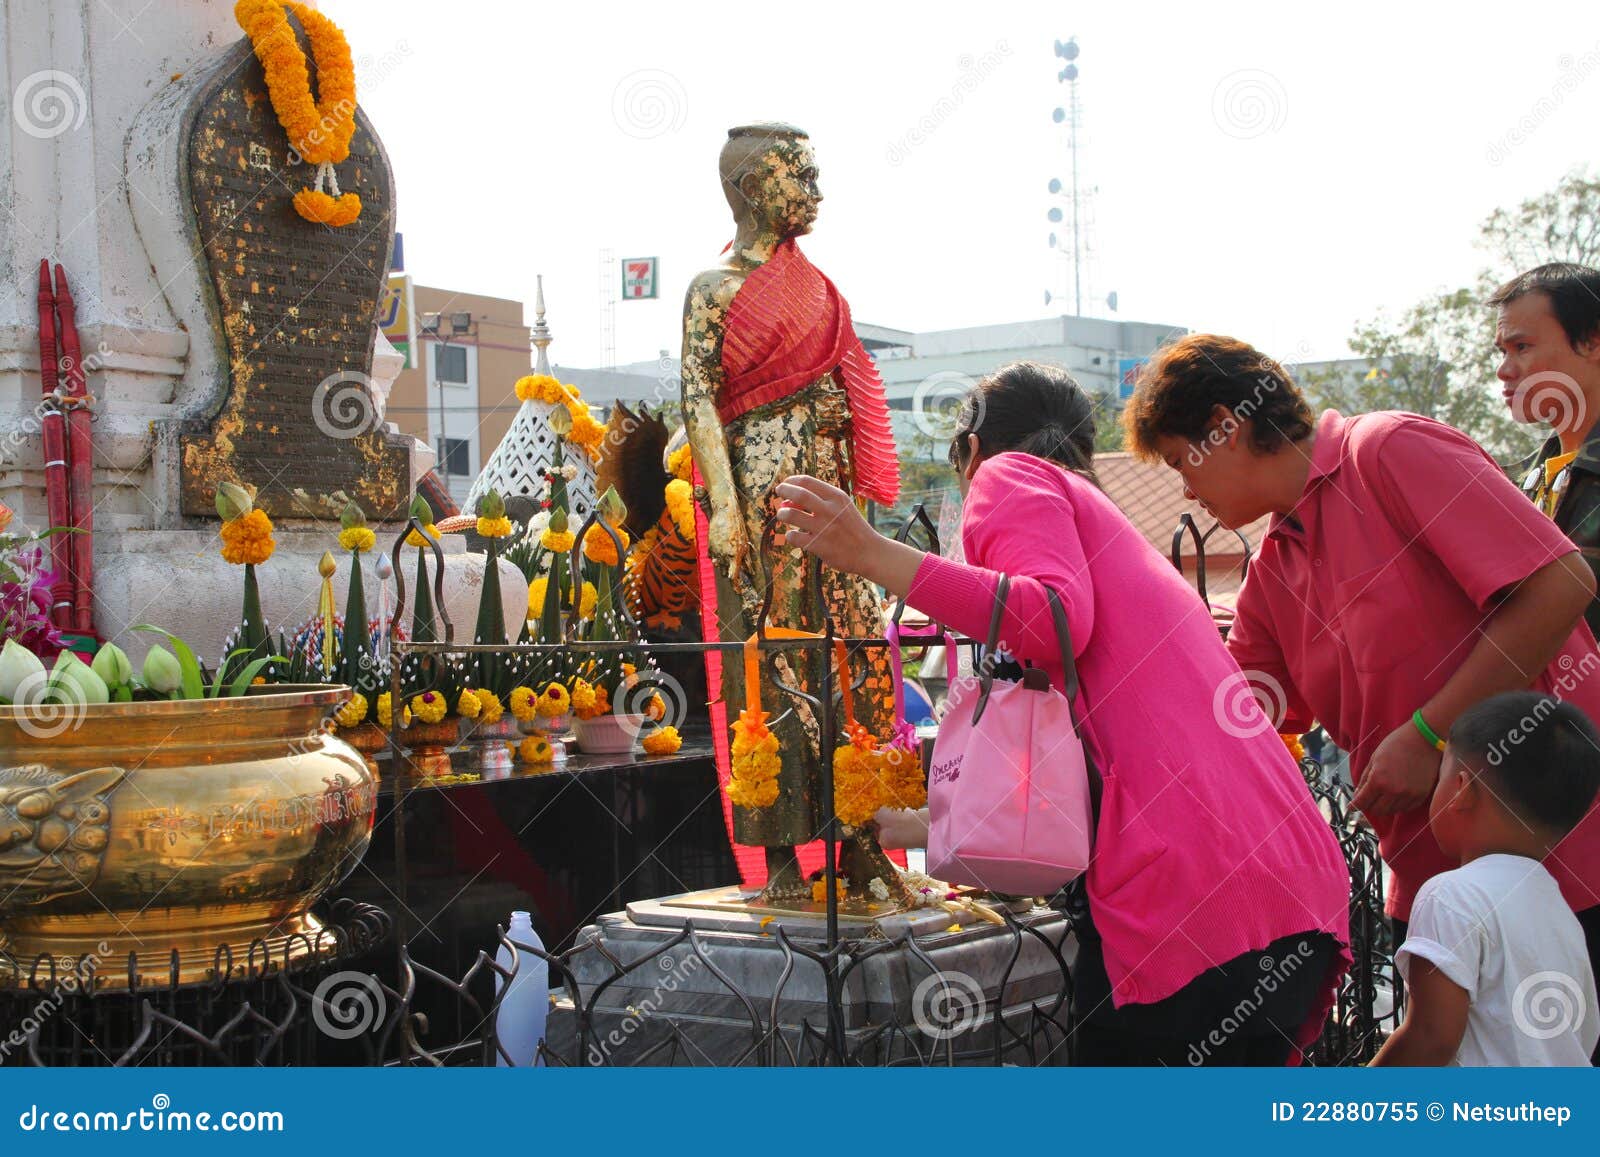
[{"x": 520, "y": 1021}]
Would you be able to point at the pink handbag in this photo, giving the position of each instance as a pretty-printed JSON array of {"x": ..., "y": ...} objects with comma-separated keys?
[{"x": 1011, "y": 788}]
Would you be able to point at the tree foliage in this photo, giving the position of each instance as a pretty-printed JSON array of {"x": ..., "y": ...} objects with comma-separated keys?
[{"x": 1437, "y": 358}]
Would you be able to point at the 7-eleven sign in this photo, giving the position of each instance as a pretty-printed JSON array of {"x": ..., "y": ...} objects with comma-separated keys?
[{"x": 638, "y": 277}]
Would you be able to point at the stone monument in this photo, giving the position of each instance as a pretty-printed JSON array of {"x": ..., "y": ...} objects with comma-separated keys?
[{"x": 224, "y": 336}]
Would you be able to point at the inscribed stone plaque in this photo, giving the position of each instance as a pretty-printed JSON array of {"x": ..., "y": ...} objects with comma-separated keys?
[{"x": 298, "y": 305}]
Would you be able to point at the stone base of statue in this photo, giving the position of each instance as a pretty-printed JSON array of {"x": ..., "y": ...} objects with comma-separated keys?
[{"x": 708, "y": 978}]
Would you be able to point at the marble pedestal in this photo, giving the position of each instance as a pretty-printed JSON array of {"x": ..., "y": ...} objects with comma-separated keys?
[{"x": 700, "y": 984}]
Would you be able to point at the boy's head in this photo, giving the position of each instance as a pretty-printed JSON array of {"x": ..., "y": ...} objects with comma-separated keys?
[{"x": 1519, "y": 772}]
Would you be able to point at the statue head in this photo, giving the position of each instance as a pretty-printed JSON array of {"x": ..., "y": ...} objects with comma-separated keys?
[{"x": 769, "y": 175}]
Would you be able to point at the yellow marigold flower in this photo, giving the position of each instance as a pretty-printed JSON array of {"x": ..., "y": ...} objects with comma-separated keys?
[
  {"x": 680, "y": 504},
  {"x": 259, "y": 681},
  {"x": 583, "y": 698},
  {"x": 358, "y": 539},
  {"x": 386, "y": 712},
  {"x": 248, "y": 538},
  {"x": 554, "y": 702},
  {"x": 430, "y": 706},
  {"x": 559, "y": 541},
  {"x": 416, "y": 539},
  {"x": 662, "y": 741},
  {"x": 494, "y": 527},
  {"x": 353, "y": 712},
  {"x": 680, "y": 464},
  {"x": 522, "y": 701},
  {"x": 630, "y": 670},
  {"x": 819, "y": 889},
  {"x": 540, "y": 388},
  {"x": 1296, "y": 748},
  {"x": 589, "y": 603},
  {"x": 490, "y": 708},
  {"x": 536, "y": 591},
  {"x": 598, "y": 547},
  {"x": 469, "y": 705},
  {"x": 536, "y": 749}
]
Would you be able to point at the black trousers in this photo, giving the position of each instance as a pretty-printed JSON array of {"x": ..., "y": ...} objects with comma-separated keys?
[
  {"x": 1588, "y": 920},
  {"x": 1246, "y": 1011}
]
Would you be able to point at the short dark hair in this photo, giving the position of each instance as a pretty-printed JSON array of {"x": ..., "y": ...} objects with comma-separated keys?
[
  {"x": 1029, "y": 408},
  {"x": 1540, "y": 755},
  {"x": 1177, "y": 390},
  {"x": 1574, "y": 293}
]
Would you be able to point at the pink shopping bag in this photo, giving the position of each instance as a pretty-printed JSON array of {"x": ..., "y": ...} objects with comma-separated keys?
[{"x": 1011, "y": 784}]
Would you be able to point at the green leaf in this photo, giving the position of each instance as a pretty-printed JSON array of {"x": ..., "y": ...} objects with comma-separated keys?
[
  {"x": 192, "y": 686},
  {"x": 242, "y": 683}
]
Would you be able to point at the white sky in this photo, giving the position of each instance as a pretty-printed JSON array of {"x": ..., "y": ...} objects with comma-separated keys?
[{"x": 1357, "y": 181}]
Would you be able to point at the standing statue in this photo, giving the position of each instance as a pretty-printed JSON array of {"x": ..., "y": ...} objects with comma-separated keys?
[{"x": 776, "y": 382}]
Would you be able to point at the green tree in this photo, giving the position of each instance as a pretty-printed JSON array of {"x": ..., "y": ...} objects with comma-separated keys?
[{"x": 1438, "y": 357}]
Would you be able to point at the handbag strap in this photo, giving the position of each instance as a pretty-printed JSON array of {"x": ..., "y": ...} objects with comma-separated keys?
[
  {"x": 1069, "y": 668},
  {"x": 905, "y": 733}
]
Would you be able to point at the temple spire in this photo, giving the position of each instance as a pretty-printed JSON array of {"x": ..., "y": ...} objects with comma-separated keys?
[{"x": 541, "y": 331}]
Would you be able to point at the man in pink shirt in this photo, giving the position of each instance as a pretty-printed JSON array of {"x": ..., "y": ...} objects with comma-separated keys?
[{"x": 1403, "y": 579}]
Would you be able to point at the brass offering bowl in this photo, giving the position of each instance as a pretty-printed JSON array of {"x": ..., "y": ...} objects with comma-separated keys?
[{"x": 148, "y": 827}]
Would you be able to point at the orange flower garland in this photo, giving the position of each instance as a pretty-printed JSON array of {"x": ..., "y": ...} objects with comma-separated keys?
[
  {"x": 598, "y": 547},
  {"x": 319, "y": 131},
  {"x": 585, "y": 432},
  {"x": 753, "y": 778},
  {"x": 248, "y": 538}
]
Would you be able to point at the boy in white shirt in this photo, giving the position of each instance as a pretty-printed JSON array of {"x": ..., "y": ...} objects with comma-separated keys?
[{"x": 1495, "y": 962}]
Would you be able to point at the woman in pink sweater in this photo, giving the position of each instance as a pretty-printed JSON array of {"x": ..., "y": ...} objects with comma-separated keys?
[{"x": 1217, "y": 900}]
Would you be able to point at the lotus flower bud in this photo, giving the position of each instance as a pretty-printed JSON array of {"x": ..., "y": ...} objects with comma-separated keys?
[
  {"x": 112, "y": 664},
  {"x": 161, "y": 672},
  {"x": 74, "y": 682},
  {"x": 326, "y": 567},
  {"x": 491, "y": 505},
  {"x": 21, "y": 672},
  {"x": 352, "y": 516},
  {"x": 420, "y": 510},
  {"x": 233, "y": 501},
  {"x": 560, "y": 421},
  {"x": 611, "y": 506}
]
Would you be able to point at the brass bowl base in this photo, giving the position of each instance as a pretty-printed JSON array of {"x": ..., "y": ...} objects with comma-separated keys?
[{"x": 203, "y": 951}]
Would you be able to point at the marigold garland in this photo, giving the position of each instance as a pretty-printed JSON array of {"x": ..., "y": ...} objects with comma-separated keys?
[
  {"x": 319, "y": 131},
  {"x": 536, "y": 749},
  {"x": 680, "y": 504},
  {"x": 553, "y": 702},
  {"x": 522, "y": 701},
  {"x": 490, "y": 708},
  {"x": 680, "y": 463},
  {"x": 414, "y": 538},
  {"x": 866, "y": 778},
  {"x": 353, "y": 712},
  {"x": 557, "y": 541},
  {"x": 583, "y": 698},
  {"x": 662, "y": 741},
  {"x": 754, "y": 767},
  {"x": 598, "y": 547},
  {"x": 357, "y": 538},
  {"x": 819, "y": 888},
  {"x": 469, "y": 706},
  {"x": 585, "y": 432},
  {"x": 248, "y": 538},
  {"x": 430, "y": 706},
  {"x": 494, "y": 527},
  {"x": 1292, "y": 742}
]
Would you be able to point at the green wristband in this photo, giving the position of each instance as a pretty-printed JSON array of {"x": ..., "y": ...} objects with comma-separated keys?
[{"x": 1427, "y": 732}]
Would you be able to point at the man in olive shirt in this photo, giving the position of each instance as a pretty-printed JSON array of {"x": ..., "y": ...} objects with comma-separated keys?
[{"x": 1548, "y": 336}]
